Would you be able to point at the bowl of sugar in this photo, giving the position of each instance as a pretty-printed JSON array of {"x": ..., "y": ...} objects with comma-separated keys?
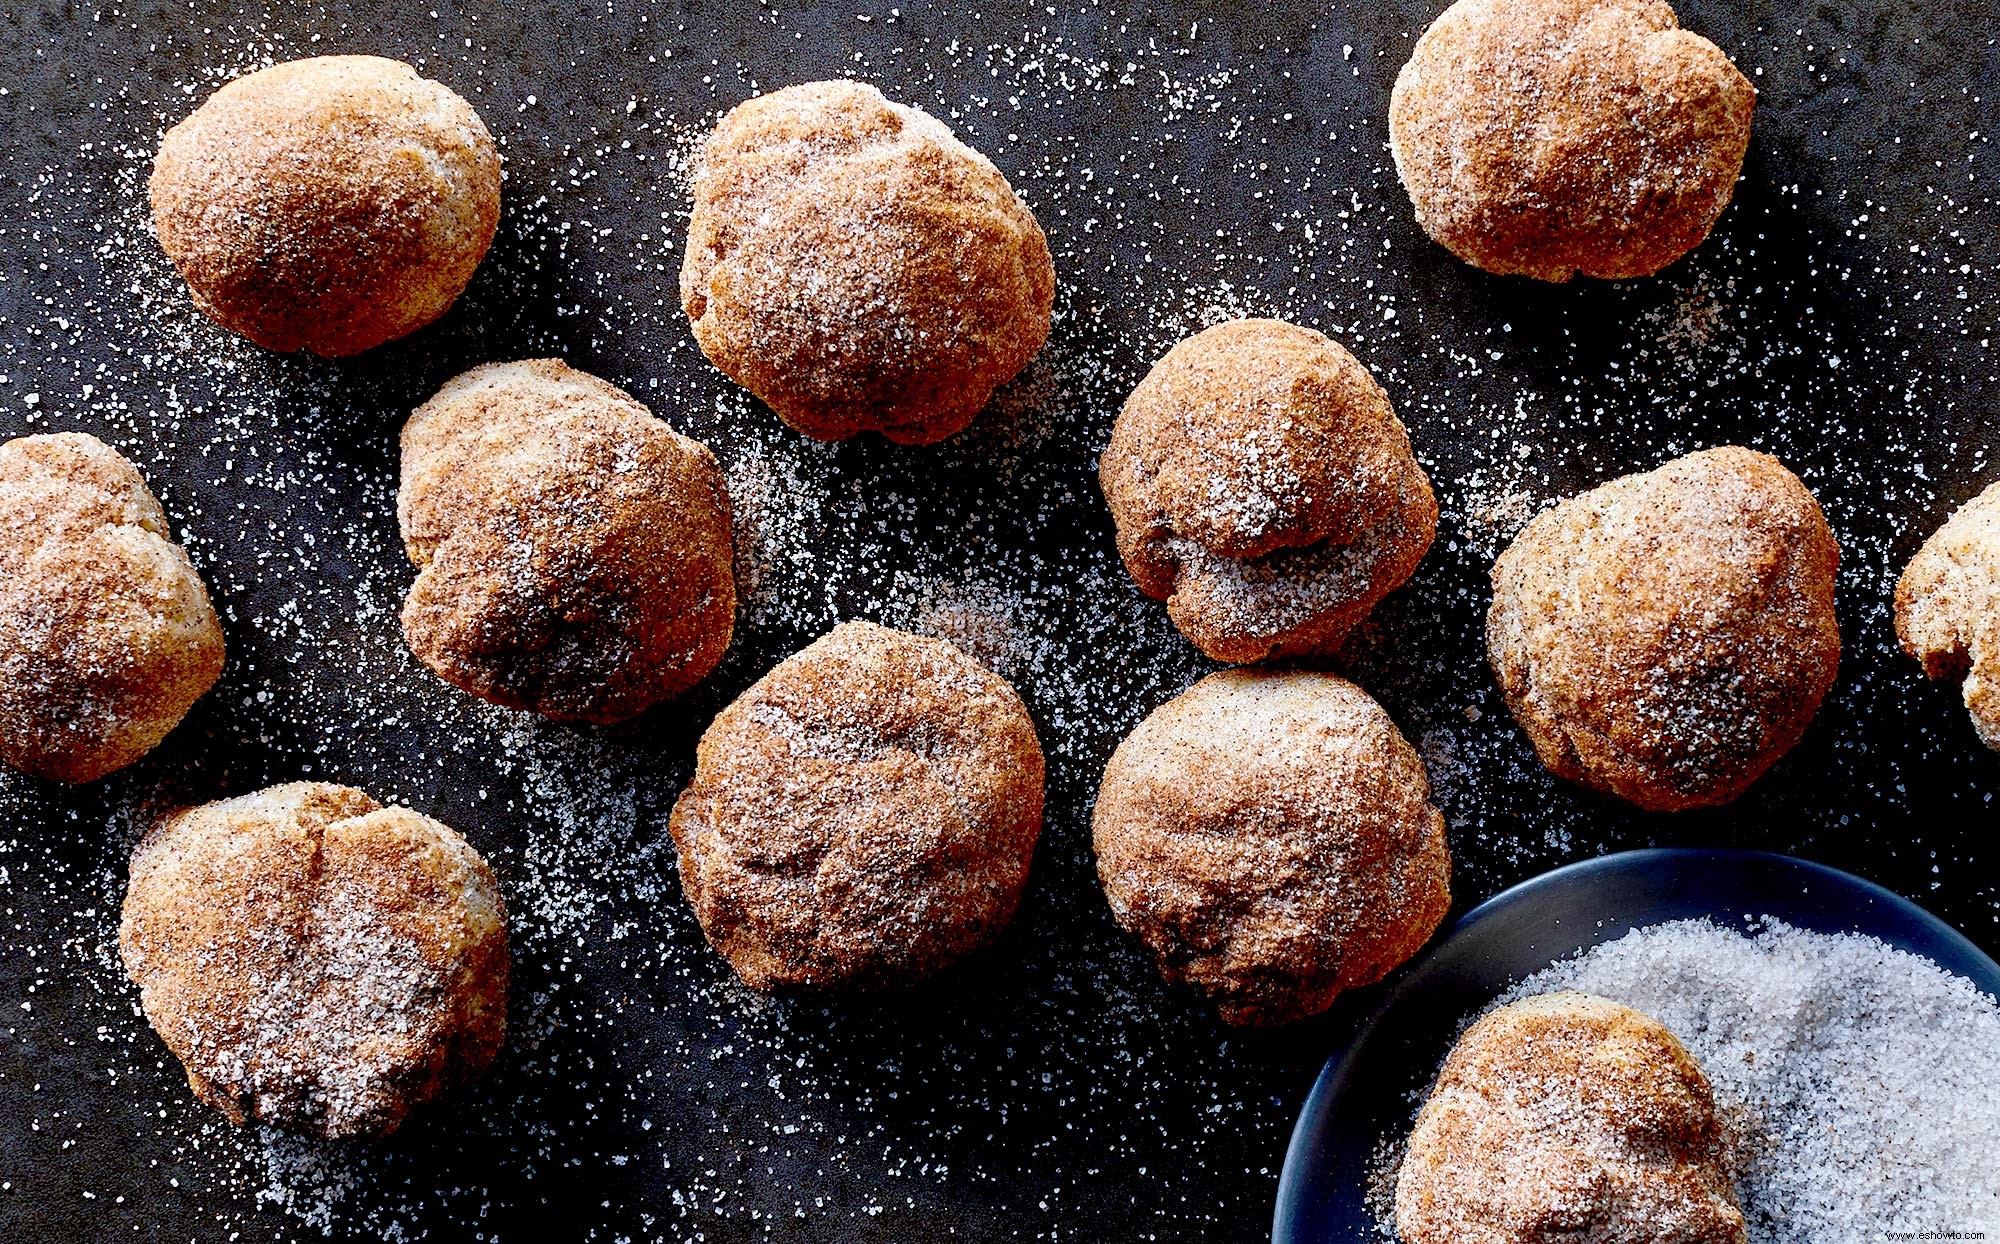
[{"x": 1852, "y": 1041}]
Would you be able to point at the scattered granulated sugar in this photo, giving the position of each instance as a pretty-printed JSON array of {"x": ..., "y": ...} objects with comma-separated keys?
[{"x": 1186, "y": 171}]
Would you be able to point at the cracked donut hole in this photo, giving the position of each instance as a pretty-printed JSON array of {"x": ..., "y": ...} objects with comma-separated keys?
[
  {"x": 1948, "y": 608},
  {"x": 1263, "y": 487},
  {"x": 317, "y": 961},
  {"x": 574, "y": 552},
  {"x": 107, "y": 634}
]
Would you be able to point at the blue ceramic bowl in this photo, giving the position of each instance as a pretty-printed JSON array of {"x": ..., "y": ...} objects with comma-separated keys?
[{"x": 1365, "y": 1092}]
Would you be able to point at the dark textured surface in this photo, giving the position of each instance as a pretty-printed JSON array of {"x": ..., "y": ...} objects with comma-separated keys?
[{"x": 1186, "y": 161}]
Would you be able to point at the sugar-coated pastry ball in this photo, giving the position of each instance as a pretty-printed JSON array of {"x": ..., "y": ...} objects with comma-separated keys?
[
  {"x": 1948, "y": 608},
  {"x": 315, "y": 960},
  {"x": 329, "y": 204},
  {"x": 860, "y": 269},
  {"x": 1667, "y": 636},
  {"x": 1568, "y": 1117},
  {"x": 1551, "y": 137},
  {"x": 107, "y": 636},
  {"x": 863, "y": 816},
  {"x": 574, "y": 551},
  {"x": 1270, "y": 837},
  {"x": 1264, "y": 489}
]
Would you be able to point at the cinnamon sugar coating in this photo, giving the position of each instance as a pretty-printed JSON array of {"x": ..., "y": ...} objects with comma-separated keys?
[
  {"x": 1551, "y": 137},
  {"x": 1262, "y": 487},
  {"x": 1569, "y": 1118},
  {"x": 574, "y": 551},
  {"x": 1666, "y": 637},
  {"x": 863, "y": 815},
  {"x": 858, "y": 268},
  {"x": 1948, "y": 608},
  {"x": 107, "y": 636},
  {"x": 316, "y": 960},
  {"x": 1270, "y": 837},
  {"x": 328, "y": 204}
]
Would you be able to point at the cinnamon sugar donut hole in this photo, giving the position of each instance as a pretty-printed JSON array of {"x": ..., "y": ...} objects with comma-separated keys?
[
  {"x": 1270, "y": 837},
  {"x": 1550, "y": 137},
  {"x": 1568, "y": 1117},
  {"x": 328, "y": 204},
  {"x": 574, "y": 552},
  {"x": 1262, "y": 486},
  {"x": 863, "y": 816},
  {"x": 1667, "y": 636},
  {"x": 858, "y": 268},
  {"x": 107, "y": 636},
  {"x": 315, "y": 960},
  {"x": 1948, "y": 608}
]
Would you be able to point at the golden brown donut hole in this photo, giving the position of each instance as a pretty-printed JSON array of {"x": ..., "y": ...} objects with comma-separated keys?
[
  {"x": 329, "y": 204},
  {"x": 860, "y": 269}
]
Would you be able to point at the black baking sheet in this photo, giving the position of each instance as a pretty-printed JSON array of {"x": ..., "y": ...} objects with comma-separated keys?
[{"x": 1189, "y": 162}]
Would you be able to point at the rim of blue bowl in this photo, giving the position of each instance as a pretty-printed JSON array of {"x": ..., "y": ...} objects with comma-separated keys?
[{"x": 1293, "y": 1174}]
